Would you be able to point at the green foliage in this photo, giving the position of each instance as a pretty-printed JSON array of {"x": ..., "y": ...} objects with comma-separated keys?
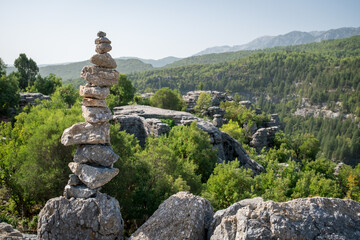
[
  {"x": 167, "y": 99},
  {"x": 46, "y": 85},
  {"x": 2, "y": 68},
  {"x": 235, "y": 131},
  {"x": 203, "y": 102},
  {"x": 27, "y": 69},
  {"x": 68, "y": 94},
  {"x": 9, "y": 93},
  {"x": 33, "y": 161},
  {"x": 169, "y": 122},
  {"x": 122, "y": 93},
  {"x": 228, "y": 184}
]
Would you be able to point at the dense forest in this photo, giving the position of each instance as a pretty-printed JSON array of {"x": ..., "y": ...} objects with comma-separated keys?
[
  {"x": 301, "y": 162},
  {"x": 279, "y": 80}
]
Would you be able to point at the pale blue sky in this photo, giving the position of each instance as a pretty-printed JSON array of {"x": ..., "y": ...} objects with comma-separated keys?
[{"x": 56, "y": 31}]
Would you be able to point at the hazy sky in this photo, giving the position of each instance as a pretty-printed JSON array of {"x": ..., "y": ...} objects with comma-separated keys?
[{"x": 57, "y": 31}]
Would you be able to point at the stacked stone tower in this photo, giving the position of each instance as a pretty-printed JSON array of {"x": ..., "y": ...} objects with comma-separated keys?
[
  {"x": 84, "y": 212},
  {"x": 94, "y": 158}
]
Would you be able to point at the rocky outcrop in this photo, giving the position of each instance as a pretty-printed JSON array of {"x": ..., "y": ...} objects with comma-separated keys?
[
  {"x": 142, "y": 127},
  {"x": 263, "y": 137},
  {"x": 81, "y": 218},
  {"x": 191, "y": 97},
  {"x": 133, "y": 119},
  {"x": 182, "y": 216},
  {"x": 308, "y": 218},
  {"x": 84, "y": 212},
  {"x": 7, "y": 232},
  {"x": 30, "y": 98}
]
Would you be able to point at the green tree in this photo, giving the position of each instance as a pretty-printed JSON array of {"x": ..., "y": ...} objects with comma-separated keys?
[
  {"x": 203, "y": 102},
  {"x": 2, "y": 68},
  {"x": 228, "y": 184},
  {"x": 9, "y": 93},
  {"x": 167, "y": 99},
  {"x": 46, "y": 85},
  {"x": 27, "y": 69},
  {"x": 121, "y": 93},
  {"x": 68, "y": 94}
]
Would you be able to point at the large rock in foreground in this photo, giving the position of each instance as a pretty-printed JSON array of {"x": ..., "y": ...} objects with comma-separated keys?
[
  {"x": 182, "y": 216},
  {"x": 304, "y": 218},
  {"x": 81, "y": 219}
]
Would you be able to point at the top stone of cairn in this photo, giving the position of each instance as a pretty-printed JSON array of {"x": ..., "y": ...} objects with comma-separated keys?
[{"x": 101, "y": 34}]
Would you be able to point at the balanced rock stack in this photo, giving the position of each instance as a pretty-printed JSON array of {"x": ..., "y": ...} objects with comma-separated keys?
[
  {"x": 92, "y": 166},
  {"x": 84, "y": 211}
]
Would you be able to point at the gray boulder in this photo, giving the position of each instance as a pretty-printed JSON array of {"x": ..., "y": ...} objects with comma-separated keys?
[
  {"x": 81, "y": 219},
  {"x": 182, "y": 216},
  {"x": 216, "y": 98},
  {"x": 304, "y": 218},
  {"x": 263, "y": 137},
  {"x": 93, "y": 177},
  {"x": 96, "y": 114},
  {"x": 30, "y": 98},
  {"x": 101, "y": 155},
  {"x": 86, "y": 133},
  {"x": 99, "y": 76},
  {"x": 141, "y": 127},
  {"x": 7, "y": 232},
  {"x": 94, "y": 92}
]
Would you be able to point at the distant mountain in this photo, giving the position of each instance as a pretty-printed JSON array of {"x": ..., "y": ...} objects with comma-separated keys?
[
  {"x": 291, "y": 38},
  {"x": 124, "y": 65},
  {"x": 72, "y": 70}
]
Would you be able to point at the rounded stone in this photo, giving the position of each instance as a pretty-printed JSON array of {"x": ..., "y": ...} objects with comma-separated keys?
[
  {"x": 101, "y": 34},
  {"x": 103, "y": 60},
  {"x": 102, "y": 40},
  {"x": 103, "y": 48}
]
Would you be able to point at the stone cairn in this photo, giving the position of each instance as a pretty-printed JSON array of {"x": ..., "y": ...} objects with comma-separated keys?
[{"x": 93, "y": 162}]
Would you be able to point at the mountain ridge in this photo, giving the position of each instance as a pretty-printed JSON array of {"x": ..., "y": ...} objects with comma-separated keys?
[{"x": 291, "y": 38}]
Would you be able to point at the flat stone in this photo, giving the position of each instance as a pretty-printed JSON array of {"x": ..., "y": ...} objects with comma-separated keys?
[
  {"x": 93, "y": 177},
  {"x": 86, "y": 133},
  {"x": 102, "y": 40},
  {"x": 78, "y": 218},
  {"x": 93, "y": 102},
  {"x": 99, "y": 76},
  {"x": 96, "y": 114},
  {"x": 80, "y": 191},
  {"x": 94, "y": 92},
  {"x": 103, "y": 48},
  {"x": 74, "y": 180},
  {"x": 102, "y": 155},
  {"x": 103, "y": 60}
]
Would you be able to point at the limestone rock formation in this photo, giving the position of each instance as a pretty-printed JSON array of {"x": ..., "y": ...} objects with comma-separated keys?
[
  {"x": 84, "y": 212},
  {"x": 263, "y": 137},
  {"x": 307, "y": 218},
  {"x": 191, "y": 97},
  {"x": 182, "y": 216},
  {"x": 80, "y": 218},
  {"x": 30, "y": 98},
  {"x": 7, "y": 232},
  {"x": 133, "y": 119}
]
